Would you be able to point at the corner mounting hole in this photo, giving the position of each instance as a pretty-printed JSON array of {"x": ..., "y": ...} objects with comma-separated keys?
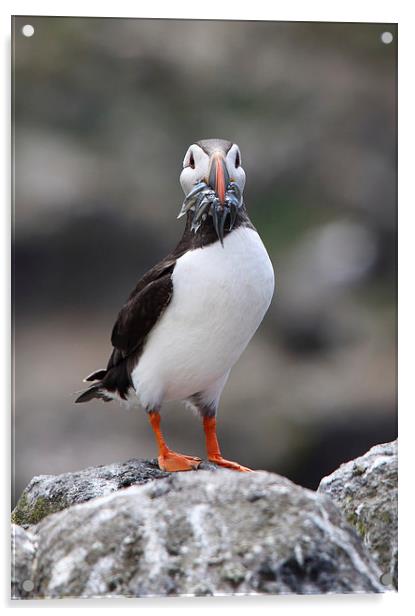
[
  {"x": 386, "y": 579},
  {"x": 28, "y": 585},
  {"x": 386, "y": 37},
  {"x": 28, "y": 30}
]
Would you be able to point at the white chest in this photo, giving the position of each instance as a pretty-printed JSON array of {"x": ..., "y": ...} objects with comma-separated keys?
[{"x": 220, "y": 296}]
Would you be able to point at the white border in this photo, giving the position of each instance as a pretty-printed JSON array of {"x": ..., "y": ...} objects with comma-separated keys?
[{"x": 318, "y": 10}]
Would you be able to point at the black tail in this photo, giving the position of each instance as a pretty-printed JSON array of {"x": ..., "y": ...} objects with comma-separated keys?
[
  {"x": 95, "y": 391},
  {"x": 115, "y": 379},
  {"x": 97, "y": 375}
]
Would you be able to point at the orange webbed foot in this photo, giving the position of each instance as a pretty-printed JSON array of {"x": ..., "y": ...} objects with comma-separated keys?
[
  {"x": 230, "y": 464},
  {"x": 173, "y": 462}
]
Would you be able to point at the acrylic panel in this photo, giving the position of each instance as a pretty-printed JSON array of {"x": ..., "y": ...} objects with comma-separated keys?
[{"x": 266, "y": 389}]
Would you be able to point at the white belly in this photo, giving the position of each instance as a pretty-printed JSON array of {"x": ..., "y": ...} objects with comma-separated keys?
[{"x": 220, "y": 296}]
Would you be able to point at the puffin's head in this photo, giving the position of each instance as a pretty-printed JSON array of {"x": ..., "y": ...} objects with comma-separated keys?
[
  {"x": 213, "y": 181},
  {"x": 214, "y": 161}
]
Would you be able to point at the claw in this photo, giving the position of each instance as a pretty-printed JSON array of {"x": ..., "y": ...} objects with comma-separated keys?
[
  {"x": 172, "y": 462},
  {"x": 230, "y": 464}
]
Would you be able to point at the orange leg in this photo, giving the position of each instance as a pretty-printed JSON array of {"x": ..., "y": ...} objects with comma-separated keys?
[
  {"x": 213, "y": 450},
  {"x": 170, "y": 460}
]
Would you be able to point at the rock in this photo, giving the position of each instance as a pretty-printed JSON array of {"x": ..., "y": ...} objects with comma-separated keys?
[
  {"x": 201, "y": 533},
  {"x": 48, "y": 494},
  {"x": 23, "y": 545},
  {"x": 366, "y": 490}
]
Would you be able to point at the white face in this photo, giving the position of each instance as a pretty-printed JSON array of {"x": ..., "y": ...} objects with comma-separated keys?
[{"x": 196, "y": 167}]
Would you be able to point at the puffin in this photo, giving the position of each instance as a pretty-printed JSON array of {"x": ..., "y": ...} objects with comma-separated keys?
[{"x": 190, "y": 317}]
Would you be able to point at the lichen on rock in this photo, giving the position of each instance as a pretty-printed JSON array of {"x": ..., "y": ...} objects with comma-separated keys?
[
  {"x": 202, "y": 533},
  {"x": 132, "y": 530},
  {"x": 366, "y": 490},
  {"x": 23, "y": 551},
  {"x": 46, "y": 494}
]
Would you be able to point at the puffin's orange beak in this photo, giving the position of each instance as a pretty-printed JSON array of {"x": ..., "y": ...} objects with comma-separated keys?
[{"x": 218, "y": 176}]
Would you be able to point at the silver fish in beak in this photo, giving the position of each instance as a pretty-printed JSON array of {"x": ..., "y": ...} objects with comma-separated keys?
[{"x": 218, "y": 197}]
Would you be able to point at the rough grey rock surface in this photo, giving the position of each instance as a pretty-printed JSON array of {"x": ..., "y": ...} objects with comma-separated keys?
[
  {"x": 366, "y": 490},
  {"x": 23, "y": 551},
  {"x": 48, "y": 494},
  {"x": 202, "y": 533}
]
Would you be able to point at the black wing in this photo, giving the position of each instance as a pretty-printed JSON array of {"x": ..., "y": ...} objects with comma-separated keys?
[
  {"x": 136, "y": 319},
  {"x": 138, "y": 316},
  {"x": 146, "y": 303}
]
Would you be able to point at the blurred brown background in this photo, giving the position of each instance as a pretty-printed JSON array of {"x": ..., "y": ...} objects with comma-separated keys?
[{"x": 104, "y": 110}]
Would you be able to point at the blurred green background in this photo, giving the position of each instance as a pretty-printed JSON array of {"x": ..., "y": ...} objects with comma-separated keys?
[{"x": 104, "y": 110}]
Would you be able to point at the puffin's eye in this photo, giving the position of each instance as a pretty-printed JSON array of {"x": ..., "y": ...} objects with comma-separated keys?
[
  {"x": 191, "y": 161},
  {"x": 237, "y": 160}
]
